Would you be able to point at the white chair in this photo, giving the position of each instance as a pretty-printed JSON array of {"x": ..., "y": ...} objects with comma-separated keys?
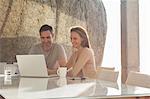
[
  {"x": 107, "y": 68},
  {"x": 108, "y": 75},
  {"x": 138, "y": 79}
]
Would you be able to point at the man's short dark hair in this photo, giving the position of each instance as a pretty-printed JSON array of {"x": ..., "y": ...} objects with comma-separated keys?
[{"x": 46, "y": 27}]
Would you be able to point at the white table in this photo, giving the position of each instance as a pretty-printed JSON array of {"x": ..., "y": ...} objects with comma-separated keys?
[{"x": 31, "y": 88}]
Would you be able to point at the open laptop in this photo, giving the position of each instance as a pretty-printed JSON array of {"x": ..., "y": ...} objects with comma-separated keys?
[{"x": 32, "y": 66}]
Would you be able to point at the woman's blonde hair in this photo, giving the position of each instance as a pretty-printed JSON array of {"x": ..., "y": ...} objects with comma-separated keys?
[{"x": 83, "y": 34}]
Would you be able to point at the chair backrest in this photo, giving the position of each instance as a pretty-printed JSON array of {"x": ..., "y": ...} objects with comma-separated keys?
[
  {"x": 108, "y": 75},
  {"x": 106, "y": 68},
  {"x": 138, "y": 79}
]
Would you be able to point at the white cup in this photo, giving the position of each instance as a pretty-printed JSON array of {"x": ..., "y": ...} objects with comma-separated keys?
[
  {"x": 62, "y": 72},
  {"x": 10, "y": 69},
  {"x": 62, "y": 82},
  {"x": 7, "y": 72}
]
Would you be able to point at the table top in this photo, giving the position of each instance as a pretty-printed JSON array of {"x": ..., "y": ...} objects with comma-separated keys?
[{"x": 25, "y": 88}]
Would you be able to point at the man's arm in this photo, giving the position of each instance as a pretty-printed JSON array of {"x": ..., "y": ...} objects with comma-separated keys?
[
  {"x": 62, "y": 59},
  {"x": 52, "y": 71}
]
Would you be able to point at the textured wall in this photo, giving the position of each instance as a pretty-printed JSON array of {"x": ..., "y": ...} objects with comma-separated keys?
[{"x": 20, "y": 21}]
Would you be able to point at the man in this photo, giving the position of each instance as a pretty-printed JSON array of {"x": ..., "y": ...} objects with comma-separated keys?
[{"x": 54, "y": 53}]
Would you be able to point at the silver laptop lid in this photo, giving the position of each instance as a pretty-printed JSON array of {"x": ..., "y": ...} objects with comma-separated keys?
[{"x": 32, "y": 65}]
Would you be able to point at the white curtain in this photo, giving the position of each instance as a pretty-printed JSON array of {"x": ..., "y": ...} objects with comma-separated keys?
[
  {"x": 112, "y": 50},
  {"x": 144, "y": 27}
]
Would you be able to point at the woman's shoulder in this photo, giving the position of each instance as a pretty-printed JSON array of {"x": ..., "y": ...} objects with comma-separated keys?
[{"x": 87, "y": 50}]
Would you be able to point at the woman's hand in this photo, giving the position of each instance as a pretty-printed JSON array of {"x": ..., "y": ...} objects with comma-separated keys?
[{"x": 69, "y": 73}]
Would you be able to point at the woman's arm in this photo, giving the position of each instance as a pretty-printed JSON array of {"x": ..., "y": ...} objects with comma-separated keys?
[
  {"x": 71, "y": 60},
  {"x": 71, "y": 63},
  {"x": 83, "y": 58}
]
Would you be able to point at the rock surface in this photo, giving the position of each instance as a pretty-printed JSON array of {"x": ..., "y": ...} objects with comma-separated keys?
[{"x": 20, "y": 21}]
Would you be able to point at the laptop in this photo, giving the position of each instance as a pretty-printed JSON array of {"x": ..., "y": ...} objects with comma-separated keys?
[{"x": 32, "y": 66}]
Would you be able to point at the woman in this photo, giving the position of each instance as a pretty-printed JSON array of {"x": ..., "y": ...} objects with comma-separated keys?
[{"x": 82, "y": 61}]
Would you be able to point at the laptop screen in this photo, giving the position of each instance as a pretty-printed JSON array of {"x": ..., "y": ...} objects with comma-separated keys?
[{"x": 32, "y": 65}]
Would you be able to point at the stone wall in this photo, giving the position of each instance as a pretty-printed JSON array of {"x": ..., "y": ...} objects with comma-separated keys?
[{"x": 20, "y": 21}]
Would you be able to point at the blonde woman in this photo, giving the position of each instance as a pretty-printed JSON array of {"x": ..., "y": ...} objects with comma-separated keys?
[{"x": 82, "y": 61}]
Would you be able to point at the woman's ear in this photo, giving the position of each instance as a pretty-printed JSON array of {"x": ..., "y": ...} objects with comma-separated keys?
[
  {"x": 83, "y": 43},
  {"x": 53, "y": 35},
  {"x": 82, "y": 39}
]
